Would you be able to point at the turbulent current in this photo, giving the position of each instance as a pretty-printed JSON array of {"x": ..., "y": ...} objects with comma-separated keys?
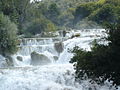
[{"x": 43, "y": 63}]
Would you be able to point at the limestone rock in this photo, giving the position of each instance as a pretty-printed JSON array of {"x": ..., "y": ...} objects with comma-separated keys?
[
  {"x": 39, "y": 59},
  {"x": 9, "y": 61},
  {"x": 75, "y": 35},
  {"x": 19, "y": 58},
  {"x": 55, "y": 58},
  {"x": 2, "y": 62},
  {"x": 59, "y": 47}
]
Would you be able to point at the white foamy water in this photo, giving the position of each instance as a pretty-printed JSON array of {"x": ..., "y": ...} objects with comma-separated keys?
[{"x": 57, "y": 75}]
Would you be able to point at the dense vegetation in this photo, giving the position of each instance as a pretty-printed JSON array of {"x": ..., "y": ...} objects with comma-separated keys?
[
  {"x": 52, "y": 15},
  {"x": 31, "y": 18},
  {"x": 49, "y": 15},
  {"x": 8, "y": 38},
  {"x": 102, "y": 62}
]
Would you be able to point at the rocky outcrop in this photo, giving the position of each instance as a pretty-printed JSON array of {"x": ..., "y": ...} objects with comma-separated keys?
[
  {"x": 3, "y": 62},
  {"x": 19, "y": 58},
  {"x": 62, "y": 33},
  {"x": 55, "y": 58},
  {"x": 75, "y": 35},
  {"x": 6, "y": 61},
  {"x": 9, "y": 61},
  {"x": 59, "y": 47},
  {"x": 39, "y": 59}
]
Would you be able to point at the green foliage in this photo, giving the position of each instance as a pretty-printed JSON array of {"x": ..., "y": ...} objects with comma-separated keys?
[
  {"x": 105, "y": 14},
  {"x": 73, "y": 13},
  {"x": 61, "y": 13},
  {"x": 50, "y": 27},
  {"x": 66, "y": 18},
  {"x": 38, "y": 26},
  {"x": 113, "y": 2},
  {"x": 101, "y": 2},
  {"x": 102, "y": 63},
  {"x": 87, "y": 24},
  {"x": 8, "y": 38},
  {"x": 53, "y": 13},
  {"x": 65, "y": 4},
  {"x": 99, "y": 12},
  {"x": 84, "y": 10},
  {"x": 16, "y": 10}
]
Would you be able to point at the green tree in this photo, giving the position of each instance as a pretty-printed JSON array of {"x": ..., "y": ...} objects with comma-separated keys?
[
  {"x": 103, "y": 62},
  {"x": 105, "y": 14},
  {"x": 84, "y": 10},
  {"x": 66, "y": 18},
  {"x": 17, "y": 11},
  {"x": 39, "y": 25},
  {"x": 8, "y": 36},
  {"x": 53, "y": 13}
]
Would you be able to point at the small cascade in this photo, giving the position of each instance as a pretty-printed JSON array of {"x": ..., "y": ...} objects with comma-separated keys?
[
  {"x": 43, "y": 47},
  {"x": 43, "y": 63},
  {"x": 56, "y": 49},
  {"x": 84, "y": 42}
]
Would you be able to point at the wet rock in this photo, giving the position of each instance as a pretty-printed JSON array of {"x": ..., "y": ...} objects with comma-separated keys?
[
  {"x": 55, "y": 58},
  {"x": 62, "y": 33},
  {"x": 39, "y": 59},
  {"x": 75, "y": 35},
  {"x": 59, "y": 47},
  {"x": 3, "y": 62},
  {"x": 19, "y": 58},
  {"x": 9, "y": 61}
]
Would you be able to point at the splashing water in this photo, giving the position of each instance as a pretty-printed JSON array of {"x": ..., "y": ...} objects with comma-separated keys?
[{"x": 57, "y": 75}]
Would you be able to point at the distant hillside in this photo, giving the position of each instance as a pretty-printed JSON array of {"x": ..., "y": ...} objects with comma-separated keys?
[
  {"x": 64, "y": 4},
  {"x": 51, "y": 15},
  {"x": 79, "y": 14}
]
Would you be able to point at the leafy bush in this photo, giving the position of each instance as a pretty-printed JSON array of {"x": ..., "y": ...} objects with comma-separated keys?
[
  {"x": 103, "y": 62},
  {"x": 53, "y": 12},
  {"x": 84, "y": 10},
  {"x": 104, "y": 14},
  {"x": 39, "y": 25},
  {"x": 113, "y": 2},
  {"x": 66, "y": 18},
  {"x": 8, "y": 36}
]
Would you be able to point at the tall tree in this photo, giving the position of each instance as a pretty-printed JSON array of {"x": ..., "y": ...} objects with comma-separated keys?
[
  {"x": 16, "y": 10},
  {"x": 103, "y": 62},
  {"x": 8, "y": 36}
]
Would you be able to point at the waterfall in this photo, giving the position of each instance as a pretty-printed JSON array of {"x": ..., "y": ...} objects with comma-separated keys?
[
  {"x": 42, "y": 46},
  {"x": 46, "y": 46},
  {"x": 40, "y": 66}
]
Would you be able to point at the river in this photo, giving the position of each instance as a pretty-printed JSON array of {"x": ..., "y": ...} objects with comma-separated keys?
[{"x": 43, "y": 64}]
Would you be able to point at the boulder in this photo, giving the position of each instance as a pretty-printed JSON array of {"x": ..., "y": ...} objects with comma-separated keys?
[
  {"x": 19, "y": 58},
  {"x": 6, "y": 61},
  {"x": 55, "y": 58},
  {"x": 59, "y": 47},
  {"x": 9, "y": 61},
  {"x": 39, "y": 59},
  {"x": 3, "y": 62},
  {"x": 75, "y": 35}
]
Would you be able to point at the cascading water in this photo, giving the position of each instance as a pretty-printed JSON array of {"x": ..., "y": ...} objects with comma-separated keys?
[
  {"x": 54, "y": 74},
  {"x": 39, "y": 46}
]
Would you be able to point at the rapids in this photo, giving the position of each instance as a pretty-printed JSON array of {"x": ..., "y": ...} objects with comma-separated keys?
[{"x": 58, "y": 74}]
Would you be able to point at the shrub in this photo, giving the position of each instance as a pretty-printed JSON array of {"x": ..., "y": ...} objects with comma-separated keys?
[
  {"x": 39, "y": 25},
  {"x": 103, "y": 61},
  {"x": 8, "y": 36}
]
